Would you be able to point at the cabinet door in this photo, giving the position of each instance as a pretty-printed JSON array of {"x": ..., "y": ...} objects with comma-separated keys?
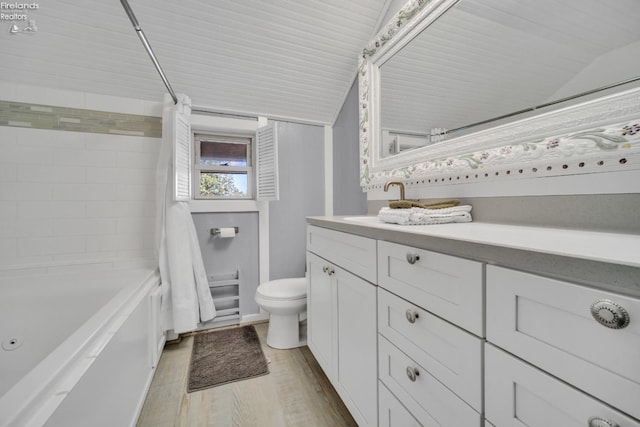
[
  {"x": 320, "y": 314},
  {"x": 357, "y": 350}
]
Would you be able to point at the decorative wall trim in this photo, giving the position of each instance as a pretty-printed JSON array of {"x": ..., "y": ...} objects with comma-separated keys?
[{"x": 37, "y": 116}]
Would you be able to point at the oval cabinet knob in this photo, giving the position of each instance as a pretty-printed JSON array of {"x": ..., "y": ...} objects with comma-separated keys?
[
  {"x": 331, "y": 271},
  {"x": 325, "y": 268},
  {"x": 412, "y": 257},
  {"x": 610, "y": 314},
  {"x": 601, "y": 422},
  {"x": 411, "y": 315},
  {"x": 412, "y": 373}
]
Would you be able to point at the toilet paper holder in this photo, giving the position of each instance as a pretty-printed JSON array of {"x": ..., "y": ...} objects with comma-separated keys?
[{"x": 216, "y": 231}]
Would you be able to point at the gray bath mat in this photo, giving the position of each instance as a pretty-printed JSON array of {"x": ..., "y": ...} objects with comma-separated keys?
[{"x": 225, "y": 356}]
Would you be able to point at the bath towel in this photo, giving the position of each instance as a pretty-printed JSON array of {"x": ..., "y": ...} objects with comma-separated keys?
[{"x": 420, "y": 216}]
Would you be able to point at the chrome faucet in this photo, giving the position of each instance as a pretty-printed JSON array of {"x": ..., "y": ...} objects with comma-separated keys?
[{"x": 398, "y": 183}]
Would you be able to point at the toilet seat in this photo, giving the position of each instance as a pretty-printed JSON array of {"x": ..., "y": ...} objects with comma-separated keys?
[{"x": 283, "y": 289}]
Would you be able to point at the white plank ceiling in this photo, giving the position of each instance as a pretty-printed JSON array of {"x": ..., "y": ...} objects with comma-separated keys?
[{"x": 278, "y": 58}]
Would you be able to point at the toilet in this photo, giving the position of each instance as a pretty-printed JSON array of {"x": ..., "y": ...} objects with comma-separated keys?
[{"x": 286, "y": 301}]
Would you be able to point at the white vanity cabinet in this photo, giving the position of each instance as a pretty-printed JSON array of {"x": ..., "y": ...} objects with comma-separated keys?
[
  {"x": 341, "y": 321},
  {"x": 574, "y": 353},
  {"x": 462, "y": 342}
]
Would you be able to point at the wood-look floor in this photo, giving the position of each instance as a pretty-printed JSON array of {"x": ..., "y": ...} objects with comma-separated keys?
[{"x": 295, "y": 393}]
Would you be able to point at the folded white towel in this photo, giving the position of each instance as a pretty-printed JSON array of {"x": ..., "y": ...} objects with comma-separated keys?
[{"x": 420, "y": 216}]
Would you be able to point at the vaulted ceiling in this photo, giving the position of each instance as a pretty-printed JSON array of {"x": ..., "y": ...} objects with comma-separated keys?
[{"x": 280, "y": 58}]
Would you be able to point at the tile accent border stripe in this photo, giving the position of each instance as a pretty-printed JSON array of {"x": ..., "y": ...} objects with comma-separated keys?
[{"x": 38, "y": 116}]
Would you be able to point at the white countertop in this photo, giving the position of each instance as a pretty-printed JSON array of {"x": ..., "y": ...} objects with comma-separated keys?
[{"x": 623, "y": 249}]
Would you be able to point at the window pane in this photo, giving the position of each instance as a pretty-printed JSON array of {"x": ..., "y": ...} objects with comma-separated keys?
[
  {"x": 215, "y": 184},
  {"x": 223, "y": 154}
]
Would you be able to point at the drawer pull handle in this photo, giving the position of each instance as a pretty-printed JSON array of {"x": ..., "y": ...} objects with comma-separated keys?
[
  {"x": 610, "y": 314},
  {"x": 602, "y": 422},
  {"x": 411, "y": 315},
  {"x": 412, "y": 257},
  {"x": 412, "y": 373}
]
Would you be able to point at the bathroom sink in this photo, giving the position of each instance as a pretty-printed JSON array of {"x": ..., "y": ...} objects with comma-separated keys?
[{"x": 362, "y": 218}]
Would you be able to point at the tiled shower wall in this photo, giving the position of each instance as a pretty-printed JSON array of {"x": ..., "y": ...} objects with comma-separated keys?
[{"x": 76, "y": 197}]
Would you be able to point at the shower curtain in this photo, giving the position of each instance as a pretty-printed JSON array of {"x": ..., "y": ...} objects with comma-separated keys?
[{"x": 186, "y": 299}]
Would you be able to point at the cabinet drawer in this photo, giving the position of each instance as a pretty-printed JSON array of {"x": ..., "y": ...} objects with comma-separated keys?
[
  {"x": 356, "y": 254},
  {"x": 549, "y": 323},
  {"x": 392, "y": 413},
  {"x": 425, "y": 397},
  {"x": 517, "y": 394},
  {"x": 450, "y": 354},
  {"x": 448, "y": 286}
]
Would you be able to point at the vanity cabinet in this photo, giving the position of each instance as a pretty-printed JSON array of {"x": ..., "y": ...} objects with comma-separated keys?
[
  {"x": 341, "y": 322},
  {"x": 464, "y": 343},
  {"x": 566, "y": 334}
]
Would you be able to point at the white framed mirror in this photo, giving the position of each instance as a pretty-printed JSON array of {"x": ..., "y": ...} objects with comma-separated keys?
[{"x": 464, "y": 91}]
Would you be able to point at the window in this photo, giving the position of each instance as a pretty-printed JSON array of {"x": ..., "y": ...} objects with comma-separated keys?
[{"x": 223, "y": 167}]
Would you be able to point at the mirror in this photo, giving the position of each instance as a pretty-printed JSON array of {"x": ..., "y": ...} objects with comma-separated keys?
[
  {"x": 444, "y": 71},
  {"x": 485, "y": 59}
]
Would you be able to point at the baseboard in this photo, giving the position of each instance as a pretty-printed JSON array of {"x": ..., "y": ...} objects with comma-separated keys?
[{"x": 254, "y": 318}]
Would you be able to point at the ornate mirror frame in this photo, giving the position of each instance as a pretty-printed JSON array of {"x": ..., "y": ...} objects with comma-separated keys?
[{"x": 599, "y": 135}]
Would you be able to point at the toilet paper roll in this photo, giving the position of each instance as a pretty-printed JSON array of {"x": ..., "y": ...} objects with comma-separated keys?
[{"x": 227, "y": 232}]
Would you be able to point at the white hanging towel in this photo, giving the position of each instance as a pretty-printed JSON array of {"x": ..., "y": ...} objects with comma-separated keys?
[{"x": 186, "y": 299}]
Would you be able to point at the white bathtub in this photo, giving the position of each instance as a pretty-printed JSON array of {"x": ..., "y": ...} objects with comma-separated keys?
[{"x": 77, "y": 349}]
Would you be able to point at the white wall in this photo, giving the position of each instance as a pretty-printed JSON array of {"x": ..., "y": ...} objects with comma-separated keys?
[
  {"x": 348, "y": 197},
  {"x": 302, "y": 194},
  {"x": 73, "y": 197}
]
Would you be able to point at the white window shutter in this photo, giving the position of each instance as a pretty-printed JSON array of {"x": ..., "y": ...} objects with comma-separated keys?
[
  {"x": 267, "y": 162},
  {"x": 182, "y": 156}
]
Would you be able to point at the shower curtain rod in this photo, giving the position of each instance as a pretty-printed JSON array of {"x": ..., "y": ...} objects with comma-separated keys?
[{"x": 147, "y": 46}]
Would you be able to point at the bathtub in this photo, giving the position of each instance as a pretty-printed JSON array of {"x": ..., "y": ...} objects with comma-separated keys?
[{"x": 78, "y": 349}]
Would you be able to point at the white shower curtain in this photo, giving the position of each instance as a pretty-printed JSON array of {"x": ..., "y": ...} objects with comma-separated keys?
[{"x": 186, "y": 299}]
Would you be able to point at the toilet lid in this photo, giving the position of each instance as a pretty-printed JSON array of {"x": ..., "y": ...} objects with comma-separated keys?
[{"x": 295, "y": 288}]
